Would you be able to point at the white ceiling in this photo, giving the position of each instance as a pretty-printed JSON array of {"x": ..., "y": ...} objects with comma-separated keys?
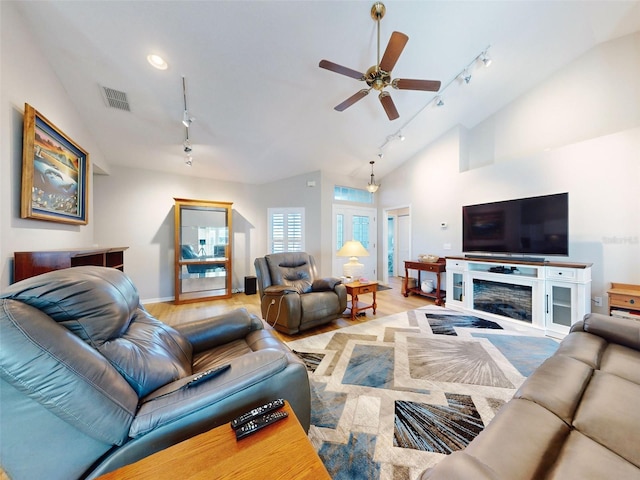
[{"x": 264, "y": 109}]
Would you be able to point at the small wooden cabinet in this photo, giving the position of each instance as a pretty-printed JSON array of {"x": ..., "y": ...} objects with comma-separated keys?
[
  {"x": 30, "y": 264},
  {"x": 202, "y": 250},
  {"x": 624, "y": 300}
]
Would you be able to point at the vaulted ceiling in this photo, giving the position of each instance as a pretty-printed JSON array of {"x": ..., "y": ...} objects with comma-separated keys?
[{"x": 264, "y": 109}]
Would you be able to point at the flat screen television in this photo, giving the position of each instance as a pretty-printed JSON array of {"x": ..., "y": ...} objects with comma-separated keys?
[{"x": 525, "y": 226}]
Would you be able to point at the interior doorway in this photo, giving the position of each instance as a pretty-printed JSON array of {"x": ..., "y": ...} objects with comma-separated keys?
[{"x": 397, "y": 241}]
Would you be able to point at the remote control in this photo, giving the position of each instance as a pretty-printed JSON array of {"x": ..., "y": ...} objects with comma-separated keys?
[
  {"x": 259, "y": 423},
  {"x": 256, "y": 412},
  {"x": 206, "y": 375}
]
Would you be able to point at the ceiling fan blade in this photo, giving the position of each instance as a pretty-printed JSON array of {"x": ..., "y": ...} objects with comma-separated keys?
[
  {"x": 334, "y": 67},
  {"x": 351, "y": 100},
  {"x": 410, "y": 84},
  {"x": 389, "y": 106},
  {"x": 396, "y": 44}
]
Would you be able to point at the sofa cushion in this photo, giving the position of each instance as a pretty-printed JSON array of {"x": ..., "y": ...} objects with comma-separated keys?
[
  {"x": 521, "y": 441},
  {"x": 292, "y": 269},
  {"x": 95, "y": 303},
  {"x": 584, "y": 347},
  {"x": 609, "y": 414},
  {"x": 460, "y": 466},
  {"x": 621, "y": 361},
  {"x": 614, "y": 329},
  {"x": 149, "y": 354},
  {"x": 582, "y": 458},
  {"x": 557, "y": 385}
]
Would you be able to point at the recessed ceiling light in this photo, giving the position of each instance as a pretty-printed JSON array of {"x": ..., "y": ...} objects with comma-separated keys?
[{"x": 157, "y": 61}]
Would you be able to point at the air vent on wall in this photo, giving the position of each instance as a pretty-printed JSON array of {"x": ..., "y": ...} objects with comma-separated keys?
[{"x": 115, "y": 98}]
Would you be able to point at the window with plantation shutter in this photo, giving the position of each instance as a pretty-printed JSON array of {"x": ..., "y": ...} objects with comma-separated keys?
[{"x": 286, "y": 230}]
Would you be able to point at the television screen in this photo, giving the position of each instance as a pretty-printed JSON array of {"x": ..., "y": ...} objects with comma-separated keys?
[{"x": 535, "y": 225}]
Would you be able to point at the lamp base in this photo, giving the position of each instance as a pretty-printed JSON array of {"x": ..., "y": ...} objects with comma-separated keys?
[{"x": 352, "y": 269}]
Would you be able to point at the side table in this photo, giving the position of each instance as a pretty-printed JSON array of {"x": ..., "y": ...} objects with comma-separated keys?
[
  {"x": 359, "y": 288},
  {"x": 280, "y": 450},
  {"x": 435, "y": 267}
]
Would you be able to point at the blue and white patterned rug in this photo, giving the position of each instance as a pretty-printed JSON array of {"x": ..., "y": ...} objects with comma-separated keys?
[{"x": 392, "y": 396}]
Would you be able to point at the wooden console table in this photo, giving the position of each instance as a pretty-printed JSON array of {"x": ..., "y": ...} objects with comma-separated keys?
[
  {"x": 280, "y": 450},
  {"x": 360, "y": 288},
  {"x": 30, "y": 264},
  {"x": 435, "y": 267}
]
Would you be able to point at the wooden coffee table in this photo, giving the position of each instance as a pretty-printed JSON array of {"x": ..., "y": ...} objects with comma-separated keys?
[
  {"x": 278, "y": 451},
  {"x": 359, "y": 288}
]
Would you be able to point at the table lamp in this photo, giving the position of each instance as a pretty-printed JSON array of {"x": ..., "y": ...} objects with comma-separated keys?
[{"x": 354, "y": 249}]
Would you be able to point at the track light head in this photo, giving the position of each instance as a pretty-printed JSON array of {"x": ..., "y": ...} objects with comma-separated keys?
[
  {"x": 187, "y": 119},
  {"x": 439, "y": 101},
  {"x": 485, "y": 60},
  {"x": 466, "y": 76}
]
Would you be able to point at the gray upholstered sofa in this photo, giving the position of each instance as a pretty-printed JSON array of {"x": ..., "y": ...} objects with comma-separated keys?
[
  {"x": 292, "y": 296},
  {"x": 90, "y": 381},
  {"x": 576, "y": 417}
]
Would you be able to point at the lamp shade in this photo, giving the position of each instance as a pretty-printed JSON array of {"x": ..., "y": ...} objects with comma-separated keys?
[{"x": 352, "y": 248}]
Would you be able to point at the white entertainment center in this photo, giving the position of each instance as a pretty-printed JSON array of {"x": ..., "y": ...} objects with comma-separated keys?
[{"x": 548, "y": 295}]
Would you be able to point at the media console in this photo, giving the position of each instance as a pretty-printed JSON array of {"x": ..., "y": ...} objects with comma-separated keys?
[{"x": 550, "y": 296}]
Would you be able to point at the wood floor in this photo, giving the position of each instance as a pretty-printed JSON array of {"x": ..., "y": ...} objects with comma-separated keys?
[{"x": 389, "y": 302}]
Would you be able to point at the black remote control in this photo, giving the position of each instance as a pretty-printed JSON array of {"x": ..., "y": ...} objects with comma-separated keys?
[
  {"x": 256, "y": 412},
  {"x": 259, "y": 423},
  {"x": 206, "y": 375}
]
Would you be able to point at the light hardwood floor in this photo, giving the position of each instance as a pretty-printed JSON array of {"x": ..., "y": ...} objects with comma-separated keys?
[{"x": 389, "y": 302}]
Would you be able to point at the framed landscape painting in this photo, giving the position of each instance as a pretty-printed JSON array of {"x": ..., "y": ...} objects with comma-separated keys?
[{"x": 54, "y": 173}]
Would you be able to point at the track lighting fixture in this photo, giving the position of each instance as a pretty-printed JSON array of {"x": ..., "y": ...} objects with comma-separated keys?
[
  {"x": 485, "y": 59},
  {"x": 186, "y": 121},
  {"x": 188, "y": 148},
  {"x": 437, "y": 100},
  {"x": 372, "y": 186},
  {"x": 186, "y": 118}
]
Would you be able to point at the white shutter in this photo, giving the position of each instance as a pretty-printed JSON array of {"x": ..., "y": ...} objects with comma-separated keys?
[{"x": 286, "y": 230}]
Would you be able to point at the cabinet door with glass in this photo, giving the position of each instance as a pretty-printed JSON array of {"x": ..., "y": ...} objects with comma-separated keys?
[{"x": 202, "y": 250}]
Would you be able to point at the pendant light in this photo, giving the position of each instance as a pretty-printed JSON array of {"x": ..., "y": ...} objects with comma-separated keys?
[{"x": 372, "y": 186}]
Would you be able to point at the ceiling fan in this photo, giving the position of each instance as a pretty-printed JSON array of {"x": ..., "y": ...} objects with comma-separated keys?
[{"x": 378, "y": 77}]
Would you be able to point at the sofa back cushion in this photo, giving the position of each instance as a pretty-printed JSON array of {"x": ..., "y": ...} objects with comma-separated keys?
[
  {"x": 52, "y": 367},
  {"x": 293, "y": 269},
  {"x": 101, "y": 306},
  {"x": 95, "y": 303}
]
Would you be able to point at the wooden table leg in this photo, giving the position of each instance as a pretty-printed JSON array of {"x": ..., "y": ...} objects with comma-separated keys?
[
  {"x": 354, "y": 306},
  {"x": 406, "y": 281},
  {"x": 374, "y": 300}
]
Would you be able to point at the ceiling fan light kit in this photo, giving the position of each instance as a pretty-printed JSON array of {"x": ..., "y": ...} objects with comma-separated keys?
[{"x": 378, "y": 76}]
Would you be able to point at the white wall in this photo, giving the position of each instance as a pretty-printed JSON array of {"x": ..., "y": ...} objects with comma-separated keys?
[
  {"x": 26, "y": 78},
  {"x": 591, "y": 150},
  {"x": 135, "y": 208}
]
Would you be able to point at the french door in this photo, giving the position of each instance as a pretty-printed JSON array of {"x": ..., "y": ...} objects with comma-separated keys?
[{"x": 355, "y": 223}]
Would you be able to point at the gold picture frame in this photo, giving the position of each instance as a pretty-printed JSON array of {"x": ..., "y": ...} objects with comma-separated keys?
[{"x": 55, "y": 172}]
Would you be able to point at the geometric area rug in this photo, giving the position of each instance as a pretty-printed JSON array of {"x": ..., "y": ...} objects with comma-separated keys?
[{"x": 392, "y": 396}]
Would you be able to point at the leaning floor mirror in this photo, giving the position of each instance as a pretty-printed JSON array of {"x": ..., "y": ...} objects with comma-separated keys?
[{"x": 202, "y": 250}]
